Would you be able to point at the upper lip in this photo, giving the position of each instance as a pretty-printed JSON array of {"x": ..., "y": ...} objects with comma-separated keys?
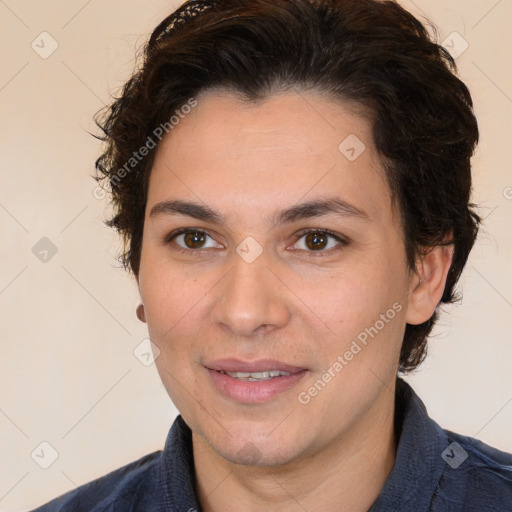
[{"x": 261, "y": 365}]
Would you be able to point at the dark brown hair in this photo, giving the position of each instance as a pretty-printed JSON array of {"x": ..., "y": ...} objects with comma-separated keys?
[{"x": 368, "y": 52}]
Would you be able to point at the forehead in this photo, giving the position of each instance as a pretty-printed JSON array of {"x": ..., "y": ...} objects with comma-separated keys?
[{"x": 290, "y": 146}]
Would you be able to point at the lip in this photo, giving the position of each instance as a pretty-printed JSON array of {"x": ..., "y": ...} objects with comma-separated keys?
[{"x": 252, "y": 392}]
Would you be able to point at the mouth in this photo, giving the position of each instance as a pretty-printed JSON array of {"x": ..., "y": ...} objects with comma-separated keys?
[
  {"x": 253, "y": 382},
  {"x": 256, "y": 376}
]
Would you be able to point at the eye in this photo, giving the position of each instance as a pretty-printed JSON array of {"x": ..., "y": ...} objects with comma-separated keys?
[
  {"x": 313, "y": 241},
  {"x": 190, "y": 239},
  {"x": 320, "y": 241}
]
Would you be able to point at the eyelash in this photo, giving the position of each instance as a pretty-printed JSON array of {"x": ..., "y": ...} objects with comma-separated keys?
[{"x": 343, "y": 242}]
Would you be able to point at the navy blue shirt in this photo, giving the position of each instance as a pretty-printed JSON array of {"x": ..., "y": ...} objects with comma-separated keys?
[{"x": 435, "y": 470}]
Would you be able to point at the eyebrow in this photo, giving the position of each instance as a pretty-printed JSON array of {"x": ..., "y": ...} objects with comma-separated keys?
[{"x": 310, "y": 209}]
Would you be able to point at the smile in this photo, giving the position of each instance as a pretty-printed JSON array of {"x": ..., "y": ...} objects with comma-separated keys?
[
  {"x": 253, "y": 382},
  {"x": 256, "y": 376}
]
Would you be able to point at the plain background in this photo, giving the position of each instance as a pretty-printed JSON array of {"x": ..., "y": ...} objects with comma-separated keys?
[{"x": 68, "y": 375}]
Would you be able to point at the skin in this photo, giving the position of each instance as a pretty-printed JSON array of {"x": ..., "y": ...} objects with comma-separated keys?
[{"x": 292, "y": 304}]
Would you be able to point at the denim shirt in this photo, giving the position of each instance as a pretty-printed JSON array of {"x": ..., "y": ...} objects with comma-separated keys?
[{"x": 435, "y": 470}]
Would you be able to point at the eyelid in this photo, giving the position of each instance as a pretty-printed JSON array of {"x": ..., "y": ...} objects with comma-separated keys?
[
  {"x": 342, "y": 240},
  {"x": 174, "y": 233},
  {"x": 180, "y": 231}
]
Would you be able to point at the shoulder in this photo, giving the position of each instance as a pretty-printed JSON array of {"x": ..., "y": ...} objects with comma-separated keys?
[
  {"x": 442, "y": 471},
  {"x": 131, "y": 484},
  {"x": 477, "y": 477}
]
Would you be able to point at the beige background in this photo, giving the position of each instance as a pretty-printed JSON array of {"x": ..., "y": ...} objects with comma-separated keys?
[{"x": 68, "y": 375}]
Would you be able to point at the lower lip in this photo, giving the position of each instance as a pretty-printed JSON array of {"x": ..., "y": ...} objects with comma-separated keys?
[{"x": 253, "y": 391}]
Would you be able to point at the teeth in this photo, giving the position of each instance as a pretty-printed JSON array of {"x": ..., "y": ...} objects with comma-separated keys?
[{"x": 254, "y": 376}]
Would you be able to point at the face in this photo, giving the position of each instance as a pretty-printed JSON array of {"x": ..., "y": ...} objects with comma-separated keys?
[{"x": 268, "y": 246}]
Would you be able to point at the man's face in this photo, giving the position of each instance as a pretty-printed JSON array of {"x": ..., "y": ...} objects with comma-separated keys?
[{"x": 261, "y": 291}]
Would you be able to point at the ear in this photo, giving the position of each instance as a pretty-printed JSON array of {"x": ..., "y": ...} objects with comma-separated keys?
[
  {"x": 141, "y": 314},
  {"x": 427, "y": 283}
]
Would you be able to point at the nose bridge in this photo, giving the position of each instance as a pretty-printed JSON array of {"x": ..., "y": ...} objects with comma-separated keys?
[{"x": 251, "y": 296}]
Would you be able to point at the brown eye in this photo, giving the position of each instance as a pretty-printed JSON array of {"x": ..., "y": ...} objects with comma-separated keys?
[
  {"x": 191, "y": 239},
  {"x": 319, "y": 241},
  {"x": 316, "y": 241},
  {"x": 194, "y": 239}
]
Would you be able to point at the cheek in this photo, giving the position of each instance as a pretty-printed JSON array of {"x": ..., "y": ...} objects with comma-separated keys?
[
  {"x": 171, "y": 297},
  {"x": 358, "y": 295},
  {"x": 173, "y": 304},
  {"x": 365, "y": 309}
]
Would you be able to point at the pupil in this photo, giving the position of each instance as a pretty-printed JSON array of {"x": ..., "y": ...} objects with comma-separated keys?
[
  {"x": 315, "y": 239},
  {"x": 194, "y": 239}
]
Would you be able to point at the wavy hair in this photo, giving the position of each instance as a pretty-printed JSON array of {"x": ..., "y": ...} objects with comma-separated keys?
[{"x": 370, "y": 53}]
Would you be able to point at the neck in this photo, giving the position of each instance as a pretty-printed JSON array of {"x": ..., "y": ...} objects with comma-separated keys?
[{"x": 348, "y": 474}]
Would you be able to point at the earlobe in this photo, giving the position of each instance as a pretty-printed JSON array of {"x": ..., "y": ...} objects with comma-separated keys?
[
  {"x": 141, "y": 315},
  {"x": 428, "y": 283}
]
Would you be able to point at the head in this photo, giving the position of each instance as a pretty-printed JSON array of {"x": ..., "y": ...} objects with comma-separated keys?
[{"x": 268, "y": 116}]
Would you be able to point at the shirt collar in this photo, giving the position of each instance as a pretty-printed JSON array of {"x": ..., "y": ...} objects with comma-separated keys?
[
  {"x": 418, "y": 466},
  {"x": 410, "y": 485},
  {"x": 177, "y": 474}
]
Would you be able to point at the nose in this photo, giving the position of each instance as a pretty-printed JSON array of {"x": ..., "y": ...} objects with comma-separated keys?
[{"x": 252, "y": 299}]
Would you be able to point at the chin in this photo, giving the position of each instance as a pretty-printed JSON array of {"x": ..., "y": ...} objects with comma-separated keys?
[
  {"x": 253, "y": 454},
  {"x": 256, "y": 446}
]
